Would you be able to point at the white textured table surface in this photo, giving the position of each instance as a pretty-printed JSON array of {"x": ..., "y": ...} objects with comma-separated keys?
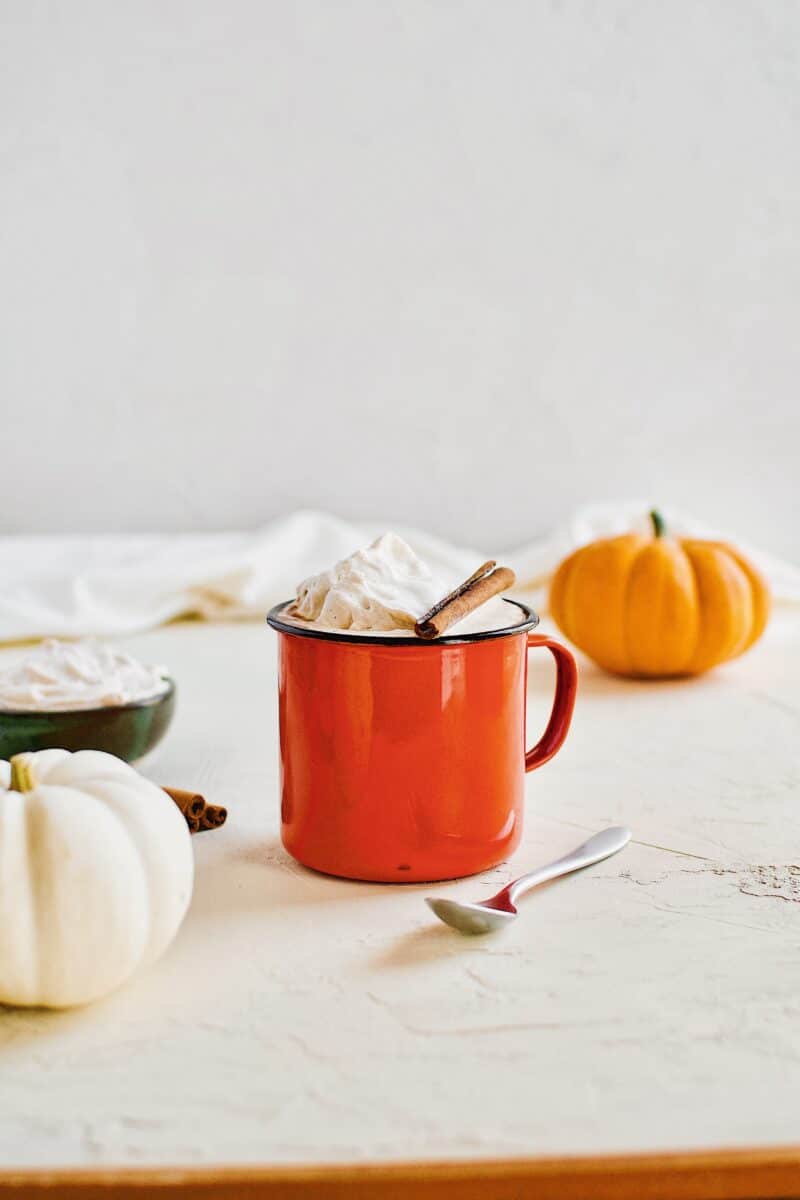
[{"x": 652, "y": 1002}]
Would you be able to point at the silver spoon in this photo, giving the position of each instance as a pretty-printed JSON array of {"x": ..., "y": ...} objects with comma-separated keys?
[{"x": 487, "y": 915}]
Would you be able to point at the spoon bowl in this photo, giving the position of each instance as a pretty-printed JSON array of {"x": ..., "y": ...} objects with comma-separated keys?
[{"x": 470, "y": 918}]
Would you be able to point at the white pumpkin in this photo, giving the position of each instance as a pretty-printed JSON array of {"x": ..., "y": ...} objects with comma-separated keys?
[{"x": 96, "y": 872}]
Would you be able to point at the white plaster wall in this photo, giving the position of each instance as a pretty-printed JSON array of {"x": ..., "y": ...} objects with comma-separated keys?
[{"x": 355, "y": 254}]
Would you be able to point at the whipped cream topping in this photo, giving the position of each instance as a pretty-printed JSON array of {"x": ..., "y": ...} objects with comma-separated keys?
[
  {"x": 385, "y": 588},
  {"x": 62, "y": 676}
]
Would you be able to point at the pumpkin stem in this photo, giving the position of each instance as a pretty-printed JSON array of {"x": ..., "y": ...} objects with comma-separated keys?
[
  {"x": 659, "y": 524},
  {"x": 22, "y": 776}
]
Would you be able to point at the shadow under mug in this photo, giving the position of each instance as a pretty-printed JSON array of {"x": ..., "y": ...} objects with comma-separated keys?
[{"x": 404, "y": 760}]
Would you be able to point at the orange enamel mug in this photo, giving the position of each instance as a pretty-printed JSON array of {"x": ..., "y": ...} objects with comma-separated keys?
[{"x": 404, "y": 760}]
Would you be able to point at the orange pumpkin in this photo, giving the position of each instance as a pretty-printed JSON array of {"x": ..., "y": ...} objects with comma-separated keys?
[{"x": 659, "y": 606}]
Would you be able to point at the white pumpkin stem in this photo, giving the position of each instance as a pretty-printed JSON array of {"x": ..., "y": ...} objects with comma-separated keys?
[{"x": 22, "y": 776}]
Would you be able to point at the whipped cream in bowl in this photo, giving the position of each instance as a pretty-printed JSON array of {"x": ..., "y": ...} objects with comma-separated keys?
[
  {"x": 83, "y": 695},
  {"x": 66, "y": 676},
  {"x": 382, "y": 591}
]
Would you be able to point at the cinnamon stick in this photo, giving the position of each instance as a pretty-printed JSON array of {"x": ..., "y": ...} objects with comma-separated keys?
[
  {"x": 191, "y": 804},
  {"x": 469, "y": 595},
  {"x": 483, "y": 570},
  {"x": 214, "y": 816},
  {"x": 199, "y": 814}
]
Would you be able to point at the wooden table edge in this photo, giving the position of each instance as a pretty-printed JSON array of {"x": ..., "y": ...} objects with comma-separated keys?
[{"x": 741, "y": 1174}]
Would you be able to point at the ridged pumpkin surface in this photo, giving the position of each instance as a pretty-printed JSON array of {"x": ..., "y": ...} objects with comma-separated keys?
[{"x": 659, "y": 606}]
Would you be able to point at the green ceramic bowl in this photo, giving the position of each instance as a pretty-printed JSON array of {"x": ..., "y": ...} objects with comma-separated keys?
[{"x": 128, "y": 730}]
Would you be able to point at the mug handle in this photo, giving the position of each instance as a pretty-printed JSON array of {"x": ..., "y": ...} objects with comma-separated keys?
[{"x": 563, "y": 702}]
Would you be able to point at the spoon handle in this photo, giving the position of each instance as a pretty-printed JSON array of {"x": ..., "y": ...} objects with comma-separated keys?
[{"x": 601, "y": 846}]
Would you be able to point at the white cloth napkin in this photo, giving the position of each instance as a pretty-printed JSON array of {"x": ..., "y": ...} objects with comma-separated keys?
[{"x": 115, "y": 585}]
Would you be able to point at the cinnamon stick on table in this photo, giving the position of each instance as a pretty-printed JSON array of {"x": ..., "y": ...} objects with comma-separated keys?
[
  {"x": 199, "y": 814},
  {"x": 469, "y": 595}
]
